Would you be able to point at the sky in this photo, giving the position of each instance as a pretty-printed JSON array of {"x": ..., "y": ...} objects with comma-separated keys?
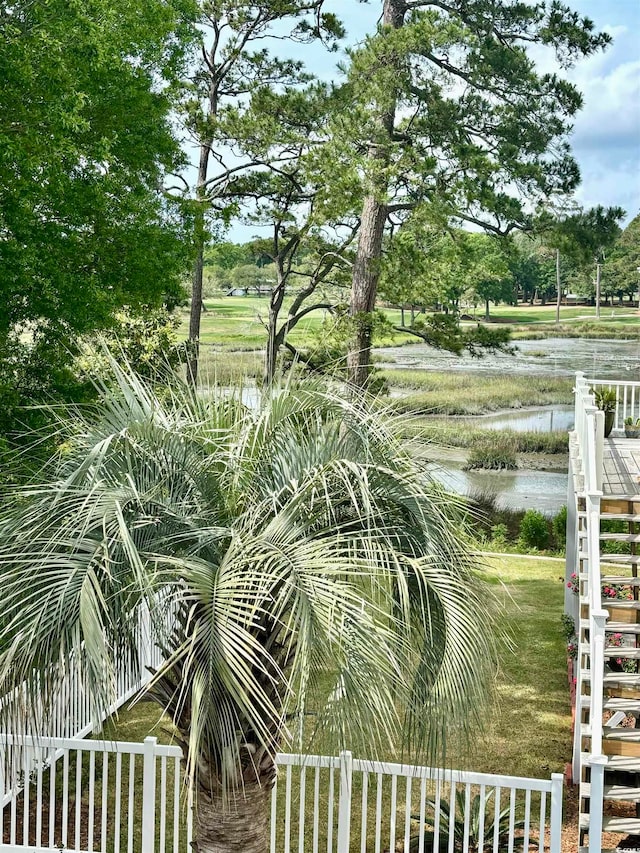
[{"x": 606, "y": 134}]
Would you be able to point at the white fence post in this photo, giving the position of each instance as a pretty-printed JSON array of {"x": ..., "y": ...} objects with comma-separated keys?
[
  {"x": 599, "y": 426},
  {"x": 149, "y": 796},
  {"x": 555, "y": 820},
  {"x": 344, "y": 802}
]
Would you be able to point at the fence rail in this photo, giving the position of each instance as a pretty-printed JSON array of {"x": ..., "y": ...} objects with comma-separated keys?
[
  {"x": 88, "y": 795},
  {"x": 346, "y": 805}
]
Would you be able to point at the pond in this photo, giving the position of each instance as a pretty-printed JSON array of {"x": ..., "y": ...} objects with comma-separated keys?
[
  {"x": 551, "y": 357},
  {"x": 533, "y": 419},
  {"x": 542, "y": 490}
]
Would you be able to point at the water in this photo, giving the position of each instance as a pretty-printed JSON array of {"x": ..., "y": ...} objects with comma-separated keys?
[
  {"x": 550, "y": 357},
  {"x": 538, "y": 419},
  {"x": 542, "y": 490}
]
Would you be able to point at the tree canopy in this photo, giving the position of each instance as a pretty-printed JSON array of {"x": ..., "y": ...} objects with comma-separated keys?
[
  {"x": 85, "y": 143},
  {"x": 450, "y": 116}
]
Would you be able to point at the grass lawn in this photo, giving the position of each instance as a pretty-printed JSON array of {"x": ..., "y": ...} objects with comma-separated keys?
[
  {"x": 235, "y": 323},
  {"x": 547, "y": 313},
  {"x": 529, "y": 728}
]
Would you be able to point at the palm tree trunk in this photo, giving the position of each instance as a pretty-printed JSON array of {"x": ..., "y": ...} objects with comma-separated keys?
[{"x": 239, "y": 826}]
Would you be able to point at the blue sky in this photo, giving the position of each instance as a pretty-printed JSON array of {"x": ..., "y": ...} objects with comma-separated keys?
[{"x": 606, "y": 136}]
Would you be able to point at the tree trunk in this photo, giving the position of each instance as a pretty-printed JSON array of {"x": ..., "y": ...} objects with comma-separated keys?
[
  {"x": 402, "y": 315},
  {"x": 363, "y": 288},
  {"x": 486, "y": 310},
  {"x": 273, "y": 342},
  {"x": 598, "y": 279},
  {"x": 241, "y": 827},
  {"x": 366, "y": 269},
  {"x": 196, "y": 284}
]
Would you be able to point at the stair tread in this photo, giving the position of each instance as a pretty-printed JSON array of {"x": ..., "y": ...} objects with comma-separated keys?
[
  {"x": 623, "y": 627},
  {"x": 630, "y": 652},
  {"x": 620, "y": 537},
  {"x": 614, "y": 516},
  {"x": 614, "y": 824},
  {"x": 627, "y": 763},
  {"x": 620, "y": 704},
  {"x": 613, "y": 733},
  {"x": 621, "y": 679},
  {"x": 614, "y": 703},
  {"x": 626, "y": 793}
]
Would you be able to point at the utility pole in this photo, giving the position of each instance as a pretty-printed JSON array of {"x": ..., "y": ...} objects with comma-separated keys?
[{"x": 558, "y": 287}]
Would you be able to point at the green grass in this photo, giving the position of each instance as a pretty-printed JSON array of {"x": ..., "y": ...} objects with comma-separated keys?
[
  {"x": 525, "y": 313},
  {"x": 465, "y": 434},
  {"x": 457, "y": 393},
  {"x": 237, "y": 323}
]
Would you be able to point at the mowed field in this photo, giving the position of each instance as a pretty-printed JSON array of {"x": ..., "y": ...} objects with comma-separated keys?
[{"x": 238, "y": 322}]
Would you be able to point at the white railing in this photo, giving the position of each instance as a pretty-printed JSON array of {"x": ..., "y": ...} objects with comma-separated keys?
[
  {"x": 627, "y": 399},
  {"x": 344, "y": 804},
  {"x": 589, "y": 425},
  {"x": 71, "y": 713},
  {"x": 86, "y": 795}
]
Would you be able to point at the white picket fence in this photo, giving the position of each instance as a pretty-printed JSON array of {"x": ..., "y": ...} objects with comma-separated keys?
[
  {"x": 114, "y": 797},
  {"x": 61, "y": 791},
  {"x": 343, "y": 805},
  {"x": 92, "y": 795}
]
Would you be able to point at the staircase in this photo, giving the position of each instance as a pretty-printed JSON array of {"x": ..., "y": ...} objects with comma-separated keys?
[{"x": 605, "y": 555}]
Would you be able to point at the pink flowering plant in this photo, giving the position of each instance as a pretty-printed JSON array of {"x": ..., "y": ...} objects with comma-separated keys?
[
  {"x": 623, "y": 664},
  {"x": 618, "y": 591},
  {"x": 573, "y": 584}
]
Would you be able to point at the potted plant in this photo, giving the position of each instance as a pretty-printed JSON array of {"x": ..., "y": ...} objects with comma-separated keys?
[
  {"x": 631, "y": 429},
  {"x": 620, "y": 664},
  {"x": 612, "y": 593},
  {"x": 606, "y": 400}
]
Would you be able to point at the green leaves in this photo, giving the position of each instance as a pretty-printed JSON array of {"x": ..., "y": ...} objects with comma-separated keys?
[{"x": 85, "y": 143}]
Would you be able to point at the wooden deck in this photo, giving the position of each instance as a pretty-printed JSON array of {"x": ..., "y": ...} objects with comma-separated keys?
[{"x": 621, "y": 467}]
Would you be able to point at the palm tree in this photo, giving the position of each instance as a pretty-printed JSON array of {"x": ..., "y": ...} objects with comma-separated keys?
[{"x": 310, "y": 569}]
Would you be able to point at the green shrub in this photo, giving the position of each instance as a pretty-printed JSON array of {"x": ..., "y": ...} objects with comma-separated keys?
[
  {"x": 568, "y": 626},
  {"x": 534, "y": 530},
  {"x": 492, "y": 454},
  {"x": 499, "y": 534},
  {"x": 559, "y": 524}
]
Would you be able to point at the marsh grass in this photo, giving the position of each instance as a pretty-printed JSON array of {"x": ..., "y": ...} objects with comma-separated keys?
[
  {"x": 448, "y": 433},
  {"x": 458, "y": 393},
  {"x": 492, "y": 455},
  {"x": 237, "y": 323}
]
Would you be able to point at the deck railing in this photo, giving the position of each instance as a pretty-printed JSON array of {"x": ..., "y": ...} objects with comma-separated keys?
[
  {"x": 89, "y": 795},
  {"x": 627, "y": 398},
  {"x": 71, "y": 713},
  {"x": 589, "y": 427}
]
